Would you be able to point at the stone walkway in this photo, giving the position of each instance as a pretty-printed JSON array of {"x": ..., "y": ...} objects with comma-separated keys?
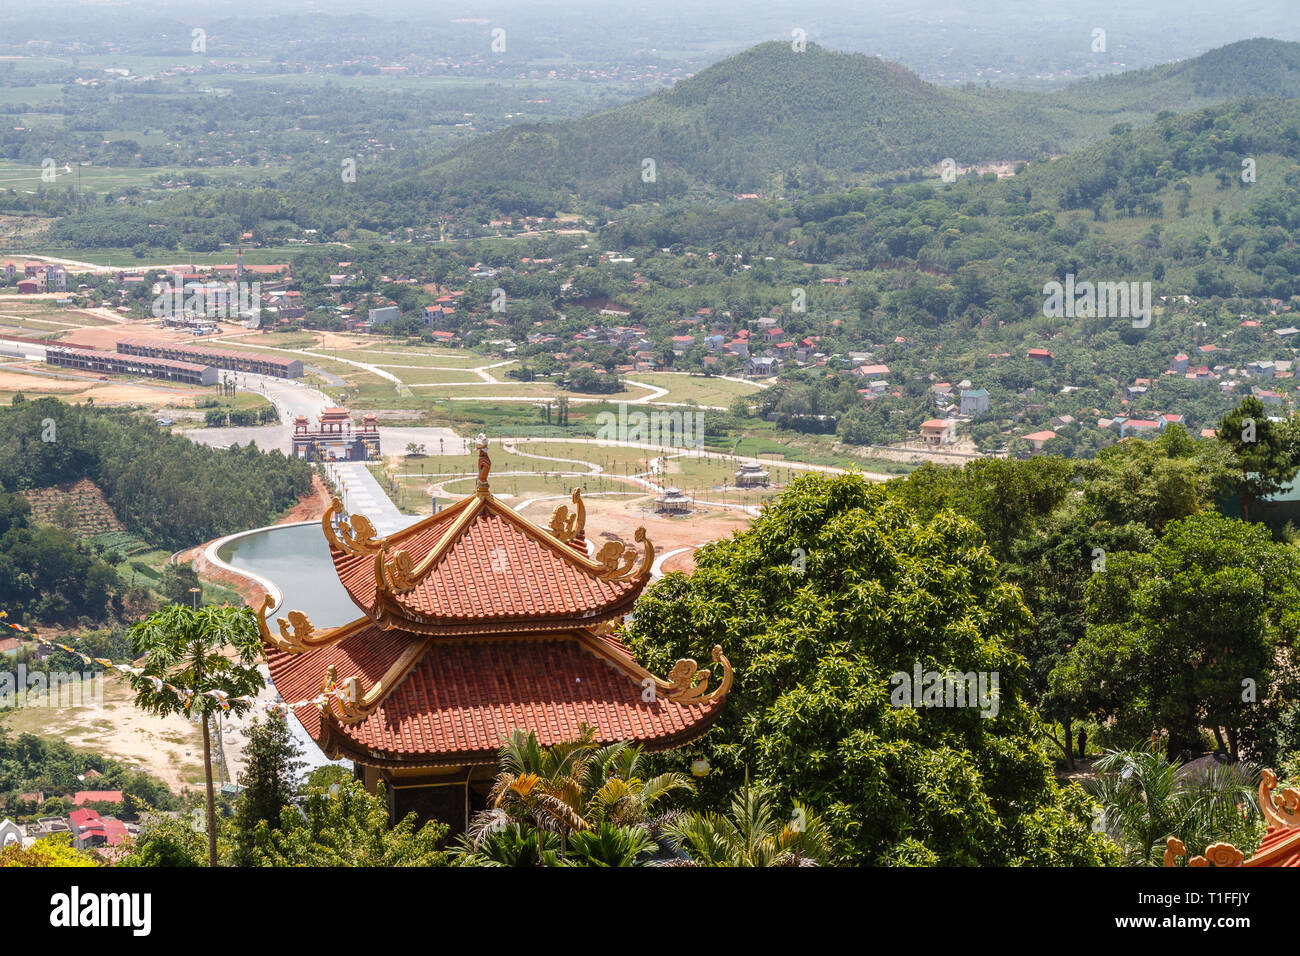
[{"x": 362, "y": 495}]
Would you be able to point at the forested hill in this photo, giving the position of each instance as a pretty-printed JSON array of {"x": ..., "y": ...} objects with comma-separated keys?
[
  {"x": 812, "y": 116},
  {"x": 1249, "y": 68},
  {"x": 772, "y": 119}
]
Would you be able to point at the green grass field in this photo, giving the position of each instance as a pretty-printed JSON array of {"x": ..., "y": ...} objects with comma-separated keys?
[
  {"x": 701, "y": 389},
  {"x": 430, "y": 376}
]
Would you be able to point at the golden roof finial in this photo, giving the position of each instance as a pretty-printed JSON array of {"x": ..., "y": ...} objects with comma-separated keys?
[
  {"x": 484, "y": 463},
  {"x": 618, "y": 561}
]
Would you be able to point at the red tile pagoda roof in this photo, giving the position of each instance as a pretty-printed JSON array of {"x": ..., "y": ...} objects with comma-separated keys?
[
  {"x": 477, "y": 623},
  {"x": 462, "y": 698}
]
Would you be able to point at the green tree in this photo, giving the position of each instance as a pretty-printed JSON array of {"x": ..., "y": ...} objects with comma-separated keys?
[
  {"x": 1004, "y": 497},
  {"x": 1188, "y": 635},
  {"x": 1156, "y": 481},
  {"x": 817, "y": 644},
  {"x": 194, "y": 661},
  {"x": 1053, "y": 568},
  {"x": 167, "y": 841},
  {"x": 1268, "y": 452},
  {"x": 177, "y": 582},
  {"x": 344, "y": 825},
  {"x": 269, "y": 780}
]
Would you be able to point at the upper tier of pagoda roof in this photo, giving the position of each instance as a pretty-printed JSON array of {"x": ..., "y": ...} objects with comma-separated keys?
[{"x": 479, "y": 566}]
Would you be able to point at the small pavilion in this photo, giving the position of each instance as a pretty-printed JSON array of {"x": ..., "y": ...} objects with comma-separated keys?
[
  {"x": 752, "y": 476},
  {"x": 672, "y": 502}
]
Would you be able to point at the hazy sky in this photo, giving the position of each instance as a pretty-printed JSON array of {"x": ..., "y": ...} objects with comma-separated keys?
[{"x": 936, "y": 38}]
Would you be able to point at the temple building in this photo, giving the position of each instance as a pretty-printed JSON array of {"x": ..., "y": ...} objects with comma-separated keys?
[
  {"x": 673, "y": 502},
  {"x": 333, "y": 438},
  {"x": 752, "y": 476},
  {"x": 475, "y": 622},
  {"x": 1280, "y": 846}
]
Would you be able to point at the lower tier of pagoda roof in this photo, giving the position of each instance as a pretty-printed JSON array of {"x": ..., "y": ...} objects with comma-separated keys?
[{"x": 444, "y": 702}]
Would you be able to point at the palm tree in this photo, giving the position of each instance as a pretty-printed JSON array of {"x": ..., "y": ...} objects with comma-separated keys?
[
  {"x": 185, "y": 670},
  {"x": 543, "y": 784},
  {"x": 754, "y": 835},
  {"x": 612, "y": 845},
  {"x": 516, "y": 844},
  {"x": 1145, "y": 799},
  {"x": 615, "y": 790},
  {"x": 593, "y": 799}
]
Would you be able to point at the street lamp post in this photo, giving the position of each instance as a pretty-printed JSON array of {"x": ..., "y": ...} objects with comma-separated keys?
[{"x": 195, "y": 599}]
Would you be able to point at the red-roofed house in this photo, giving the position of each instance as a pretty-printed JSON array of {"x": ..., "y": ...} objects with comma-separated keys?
[
  {"x": 90, "y": 829},
  {"x": 1041, "y": 355},
  {"x": 938, "y": 431},
  {"x": 1038, "y": 439}
]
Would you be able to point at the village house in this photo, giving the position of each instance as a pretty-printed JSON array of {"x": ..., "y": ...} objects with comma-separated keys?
[
  {"x": 938, "y": 431},
  {"x": 89, "y": 829},
  {"x": 1037, "y": 440},
  {"x": 974, "y": 401}
]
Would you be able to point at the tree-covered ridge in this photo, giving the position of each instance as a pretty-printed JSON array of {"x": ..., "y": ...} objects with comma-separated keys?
[
  {"x": 1247, "y": 68},
  {"x": 164, "y": 488},
  {"x": 766, "y": 111},
  {"x": 778, "y": 120}
]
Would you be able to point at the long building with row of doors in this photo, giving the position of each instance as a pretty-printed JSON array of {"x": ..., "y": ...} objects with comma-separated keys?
[
  {"x": 258, "y": 363},
  {"x": 118, "y": 363}
]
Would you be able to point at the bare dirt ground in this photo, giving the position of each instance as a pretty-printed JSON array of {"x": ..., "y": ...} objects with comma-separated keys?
[
  {"x": 169, "y": 748},
  {"x": 103, "y": 337},
  {"x": 958, "y": 453},
  {"x": 103, "y": 391},
  {"x": 621, "y": 516}
]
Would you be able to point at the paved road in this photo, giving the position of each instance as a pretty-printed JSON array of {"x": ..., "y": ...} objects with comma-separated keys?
[{"x": 290, "y": 397}]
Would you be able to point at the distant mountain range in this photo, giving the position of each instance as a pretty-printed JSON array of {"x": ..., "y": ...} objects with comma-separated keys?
[{"x": 771, "y": 119}]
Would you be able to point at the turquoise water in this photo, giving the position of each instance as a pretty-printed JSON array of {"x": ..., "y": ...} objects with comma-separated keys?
[{"x": 297, "y": 559}]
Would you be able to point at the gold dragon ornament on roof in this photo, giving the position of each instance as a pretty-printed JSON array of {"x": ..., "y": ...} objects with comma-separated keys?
[
  {"x": 565, "y": 525},
  {"x": 617, "y": 559},
  {"x": 296, "y": 631},
  {"x": 355, "y": 534},
  {"x": 687, "y": 684}
]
